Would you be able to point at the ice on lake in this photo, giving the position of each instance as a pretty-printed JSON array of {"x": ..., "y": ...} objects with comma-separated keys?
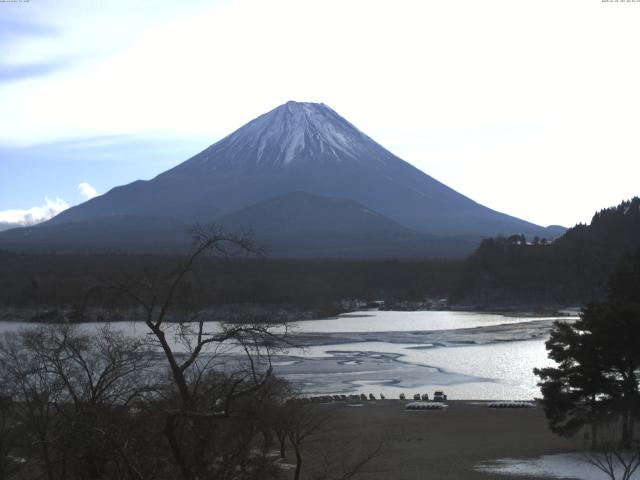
[{"x": 469, "y": 355}]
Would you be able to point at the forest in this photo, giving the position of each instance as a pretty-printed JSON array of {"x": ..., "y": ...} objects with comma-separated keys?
[
  {"x": 570, "y": 270},
  {"x": 35, "y": 282},
  {"x": 504, "y": 272}
]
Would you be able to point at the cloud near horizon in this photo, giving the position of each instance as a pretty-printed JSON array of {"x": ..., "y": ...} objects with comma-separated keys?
[
  {"x": 19, "y": 217},
  {"x": 87, "y": 190},
  {"x": 25, "y": 217}
]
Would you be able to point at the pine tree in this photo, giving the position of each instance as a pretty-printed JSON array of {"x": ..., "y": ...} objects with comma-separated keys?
[{"x": 598, "y": 356}]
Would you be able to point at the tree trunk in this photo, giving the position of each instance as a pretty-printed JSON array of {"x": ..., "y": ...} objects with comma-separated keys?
[
  {"x": 47, "y": 461},
  {"x": 626, "y": 442},
  {"x": 170, "y": 434},
  {"x": 176, "y": 372},
  {"x": 594, "y": 423},
  {"x": 282, "y": 448},
  {"x": 298, "y": 462},
  {"x": 267, "y": 440}
]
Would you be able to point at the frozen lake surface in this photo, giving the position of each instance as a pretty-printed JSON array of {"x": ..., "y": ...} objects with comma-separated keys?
[
  {"x": 469, "y": 355},
  {"x": 391, "y": 321}
]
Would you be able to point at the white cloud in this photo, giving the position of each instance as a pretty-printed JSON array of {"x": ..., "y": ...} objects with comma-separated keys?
[
  {"x": 19, "y": 217},
  {"x": 31, "y": 216},
  {"x": 87, "y": 190}
]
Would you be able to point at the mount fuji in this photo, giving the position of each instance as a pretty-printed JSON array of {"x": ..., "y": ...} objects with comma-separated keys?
[{"x": 307, "y": 181}]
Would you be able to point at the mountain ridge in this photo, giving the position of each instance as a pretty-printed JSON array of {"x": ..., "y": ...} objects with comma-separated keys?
[{"x": 300, "y": 147}]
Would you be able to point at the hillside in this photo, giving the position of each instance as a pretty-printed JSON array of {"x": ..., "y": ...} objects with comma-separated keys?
[{"x": 570, "y": 270}]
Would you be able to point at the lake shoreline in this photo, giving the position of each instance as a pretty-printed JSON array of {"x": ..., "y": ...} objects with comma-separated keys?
[
  {"x": 239, "y": 313},
  {"x": 454, "y": 443},
  {"x": 468, "y": 354},
  {"x": 229, "y": 314}
]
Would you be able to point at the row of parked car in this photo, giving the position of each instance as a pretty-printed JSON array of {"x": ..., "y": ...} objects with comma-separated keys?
[
  {"x": 339, "y": 398},
  {"x": 438, "y": 396},
  {"x": 425, "y": 406},
  {"x": 511, "y": 404}
]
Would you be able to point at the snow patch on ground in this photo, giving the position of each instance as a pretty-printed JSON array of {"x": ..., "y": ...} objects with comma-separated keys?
[{"x": 566, "y": 465}]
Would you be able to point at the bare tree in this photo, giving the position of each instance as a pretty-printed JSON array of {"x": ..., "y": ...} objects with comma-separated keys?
[
  {"x": 306, "y": 424},
  {"x": 9, "y": 463},
  {"x": 614, "y": 462},
  {"x": 26, "y": 380},
  {"x": 97, "y": 406},
  {"x": 305, "y": 420},
  {"x": 281, "y": 423},
  {"x": 73, "y": 393},
  {"x": 206, "y": 390},
  {"x": 348, "y": 458},
  {"x": 612, "y": 458}
]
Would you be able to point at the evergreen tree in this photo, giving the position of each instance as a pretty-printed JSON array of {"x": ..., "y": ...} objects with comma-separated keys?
[
  {"x": 572, "y": 391},
  {"x": 598, "y": 356}
]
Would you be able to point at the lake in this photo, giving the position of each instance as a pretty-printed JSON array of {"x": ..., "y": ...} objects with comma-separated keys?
[{"x": 468, "y": 355}]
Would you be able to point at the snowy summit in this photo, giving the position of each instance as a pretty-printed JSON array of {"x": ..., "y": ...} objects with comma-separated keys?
[{"x": 291, "y": 133}]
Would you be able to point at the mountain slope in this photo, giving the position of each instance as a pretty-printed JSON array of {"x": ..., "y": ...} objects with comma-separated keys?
[
  {"x": 294, "y": 225},
  {"x": 297, "y": 147},
  {"x": 303, "y": 225},
  {"x": 117, "y": 233},
  {"x": 302, "y": 212},
  {"x": 301, "y": 147}
]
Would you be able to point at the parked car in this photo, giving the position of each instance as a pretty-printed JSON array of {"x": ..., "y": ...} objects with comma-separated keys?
[{"x": 439, "y": 396}]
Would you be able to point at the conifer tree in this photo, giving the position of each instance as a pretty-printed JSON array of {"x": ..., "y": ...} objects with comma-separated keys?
[{"x": 598, "y": 356}]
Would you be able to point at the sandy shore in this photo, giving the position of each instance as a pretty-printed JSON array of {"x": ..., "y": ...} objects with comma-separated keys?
[{"x": 435, "y": 445}]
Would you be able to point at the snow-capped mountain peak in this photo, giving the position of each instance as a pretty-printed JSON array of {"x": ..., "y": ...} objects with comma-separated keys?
[
  {"x": 293, "y": 133},
  {"x": 306, "y": 148}
]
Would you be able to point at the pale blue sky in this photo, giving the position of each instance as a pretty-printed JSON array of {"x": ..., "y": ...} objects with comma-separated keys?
[{"x": 527, "y": 107}]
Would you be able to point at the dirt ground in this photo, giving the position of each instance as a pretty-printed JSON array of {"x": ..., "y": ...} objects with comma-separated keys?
[{"x": 434, "y": 444}]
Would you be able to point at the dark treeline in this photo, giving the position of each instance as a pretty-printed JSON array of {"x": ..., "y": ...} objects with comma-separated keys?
[
  {"x": 572, "y": 269},
  {"x": 70, "y": 281},
  {"x": 504, "y": 271}
]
